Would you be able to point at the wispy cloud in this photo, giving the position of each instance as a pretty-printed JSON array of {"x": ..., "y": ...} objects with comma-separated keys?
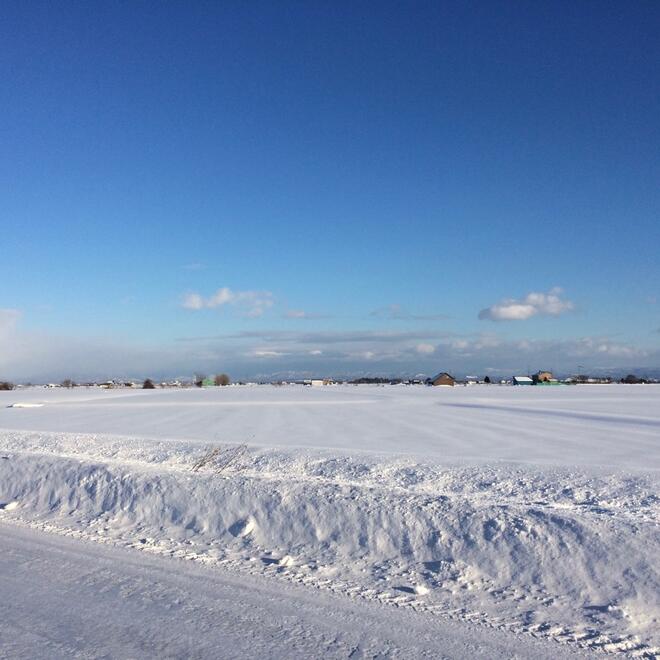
[
  {"x": 337, "y": 337},
  {"x": 264, "y": 353},
  {"x": 533, "y": 304},
  {"x": 194, "y": 266},
  {"x": 397, "y": 313},
  {"x": 254, "y": 303},
  {"x": 302, "y": 315}
]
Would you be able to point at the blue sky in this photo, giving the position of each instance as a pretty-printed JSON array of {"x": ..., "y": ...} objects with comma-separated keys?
[{"x": 312, "y": 188}]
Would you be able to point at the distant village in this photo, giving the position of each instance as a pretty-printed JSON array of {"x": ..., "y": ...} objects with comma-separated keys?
[{"x": 442, "y": 379}]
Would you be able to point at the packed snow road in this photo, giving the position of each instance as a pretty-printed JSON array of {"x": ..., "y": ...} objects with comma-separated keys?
[{"x": 61, "y": 598}]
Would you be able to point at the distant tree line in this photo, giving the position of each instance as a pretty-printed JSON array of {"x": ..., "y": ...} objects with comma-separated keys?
[
  {"x": 220, "y": 380},
  {"x": 631, "y": 379},
  {"x": 223, "y": 379},
  {"x": 368, "y": 380}
]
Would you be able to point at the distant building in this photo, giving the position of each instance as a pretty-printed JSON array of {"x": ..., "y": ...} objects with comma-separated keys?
[
  {"x": 522, "y": 380},
  {"x": 443, "y": 378},
  {"x": 543, "y": 377},
  {"x": 591, "y": 380}
]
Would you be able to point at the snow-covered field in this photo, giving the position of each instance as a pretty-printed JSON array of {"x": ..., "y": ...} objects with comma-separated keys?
[{"x": 527, "y": 512}]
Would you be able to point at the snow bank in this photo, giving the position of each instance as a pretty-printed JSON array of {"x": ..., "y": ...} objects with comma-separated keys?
[{"x": 566, "y": 553}]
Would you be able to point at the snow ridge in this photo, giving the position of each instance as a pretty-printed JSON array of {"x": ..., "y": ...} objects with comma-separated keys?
[{"x": 554, "y": 552}]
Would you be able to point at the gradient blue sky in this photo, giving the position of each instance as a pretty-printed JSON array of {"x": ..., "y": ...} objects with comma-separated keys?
[{"x": 364, "y": 178}]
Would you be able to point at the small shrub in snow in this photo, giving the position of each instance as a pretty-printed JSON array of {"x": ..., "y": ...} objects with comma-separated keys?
[{"x": 218, "y": 458}]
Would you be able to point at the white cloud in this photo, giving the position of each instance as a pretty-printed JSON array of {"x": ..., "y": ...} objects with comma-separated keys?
[
  {"x": 425, "y": 349},
  {"x": 193, "y": 301},
  {"x": 222, "y": 296},
  {"x": 267, "y": 354},
  {"x": 533, "y": 304},
  {"x": 602, "y": 346},
  {"x": 254, "y": 303}
]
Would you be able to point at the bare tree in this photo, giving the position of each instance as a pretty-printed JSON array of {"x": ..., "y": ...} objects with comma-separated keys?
[
  {"x": 221, "y": 379},
  {"x": 68, "y": 383},
  {"x": 5, "y": 385},
  {"x": 148, "y": 384}
]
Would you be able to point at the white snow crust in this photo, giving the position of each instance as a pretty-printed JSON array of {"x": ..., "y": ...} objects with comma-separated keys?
[{"x": 531, "y": 510}]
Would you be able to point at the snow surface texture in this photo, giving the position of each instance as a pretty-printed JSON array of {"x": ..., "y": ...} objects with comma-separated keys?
[
  {"x": 529, "y": 510},
  {"x": 68, "y": 598}
]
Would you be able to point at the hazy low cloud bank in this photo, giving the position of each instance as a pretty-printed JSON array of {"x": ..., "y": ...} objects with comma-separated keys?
[
  {"x": 410, "y": 352},
  {"x": 38, "y": 357}
]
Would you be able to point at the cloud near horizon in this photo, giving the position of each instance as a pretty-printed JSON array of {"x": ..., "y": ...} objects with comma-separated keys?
[
  {"x": 41, "y": 357},
  {"x": 533, "y": 304},
  {"x": 425, "y": 349},
  {"x": 254, "y": 303},
  {"x": 286, "y": 354}
]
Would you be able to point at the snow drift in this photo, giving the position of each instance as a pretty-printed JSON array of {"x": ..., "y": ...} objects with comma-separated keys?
[{"x": 564, "y": 553}]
